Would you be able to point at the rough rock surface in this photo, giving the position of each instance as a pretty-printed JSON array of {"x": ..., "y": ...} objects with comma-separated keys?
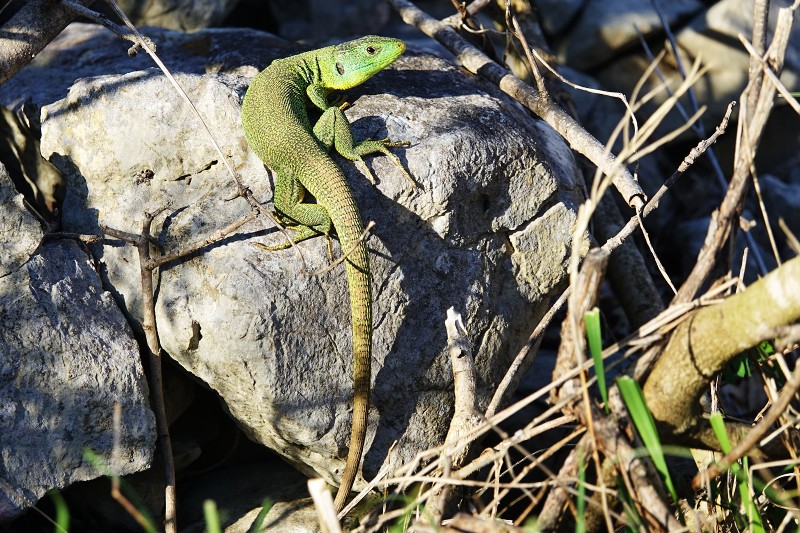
[
  {"x": 604, "y": 39},
  {"x": 20, "y": 232},
  {"x": 487, "y": 232},
  {"x": 67, "y": 356}
]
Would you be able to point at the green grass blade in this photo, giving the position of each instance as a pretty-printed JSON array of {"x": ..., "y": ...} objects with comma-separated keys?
[
  {"x": 258, "y": 523},
  {"x": 580, "y": 522},
  {"x": 718, "y": 425},
  {"x": 646, "y": 427},
  {"x": 635, "y": 521},
  {"x": 753, "y": 516},
  {"x": 595, "y": 339},
  {"x": 211, "y": 516},
  {"x": 62, "y": 512}
]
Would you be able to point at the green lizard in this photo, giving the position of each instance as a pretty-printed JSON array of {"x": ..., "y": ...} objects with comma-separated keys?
[{"x": 278, "y": 130}]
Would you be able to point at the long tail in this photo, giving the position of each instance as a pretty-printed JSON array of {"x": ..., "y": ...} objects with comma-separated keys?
[
  {"x": 341, "y": 206},
  {"x": 358, "y": 278}
]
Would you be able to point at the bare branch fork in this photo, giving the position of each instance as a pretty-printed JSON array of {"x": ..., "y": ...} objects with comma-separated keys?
[
  {"x": 609, "y": 246},
  {"x": 758, "y": 98},
  {"x": 147, "y": 265},
  {"x": 142, "y": 242}
]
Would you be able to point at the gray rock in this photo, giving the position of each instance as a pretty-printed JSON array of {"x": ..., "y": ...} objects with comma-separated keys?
[
  {"x": 20, "y": 232},
  {"x": 67, "y": 356},
  {"x": 488, "y": 232},
  {"x": 90, "y": 50},
  {"x": 714, "y": 38},
  {"x": 556, "y": 15},
  {"x": 602, "y": 30}
]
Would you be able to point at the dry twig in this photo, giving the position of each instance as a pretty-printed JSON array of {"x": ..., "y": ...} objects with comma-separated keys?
[
  {"x": 142, "y": 241},
  {"x": 148, "y": 264},
  {"x": 759, "y": 96},
  {"x": 479, "y": 63}
]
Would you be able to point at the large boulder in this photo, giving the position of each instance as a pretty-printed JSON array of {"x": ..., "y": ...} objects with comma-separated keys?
[{"x": 67, "y": 359}]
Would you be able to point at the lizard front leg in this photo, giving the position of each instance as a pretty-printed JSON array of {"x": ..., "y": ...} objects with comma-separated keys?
[{"x": 333, "y": 130}]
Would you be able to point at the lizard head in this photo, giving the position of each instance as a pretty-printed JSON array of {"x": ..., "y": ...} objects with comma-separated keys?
[{"x": 354, "y": 62}]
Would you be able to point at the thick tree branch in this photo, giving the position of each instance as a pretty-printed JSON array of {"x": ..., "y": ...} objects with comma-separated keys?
[
  {"x": 702, "y": 345},
  {"x": 33, "y": 27}
]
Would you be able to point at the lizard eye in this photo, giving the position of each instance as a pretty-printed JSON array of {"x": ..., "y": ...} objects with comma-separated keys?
[
  {"x": 371, "y": 50},
  {"x": 339, "y": 68}
]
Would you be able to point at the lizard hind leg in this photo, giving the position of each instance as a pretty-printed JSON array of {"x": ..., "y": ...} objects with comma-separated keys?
[
  {"x": 302, "y": 233},
  {"x": 333, "y": 130},
  {"x": 308, "y": 220}
]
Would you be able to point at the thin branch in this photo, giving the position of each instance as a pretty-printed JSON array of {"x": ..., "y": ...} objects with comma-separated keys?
[
  {"x": 353, "y": 247},
  {"x": 202, "y": 243},
  {"x": 779, "y": 86},
  {"x": 605, "y": 430},
  {"x": 80, "y": 237},
  {"x": 511, "y": 20},
  {"x": 791, "y": 238},
  {"x": 479, "y": 63},
  {"x": 654, "y": 255},
  {"x": 101, "y": 19},
  {"x": 760, "y": 29},
  {"x": 150, "y": 326}
]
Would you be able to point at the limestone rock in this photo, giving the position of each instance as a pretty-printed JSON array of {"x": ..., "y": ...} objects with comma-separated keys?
[
  {"x": 710, "y": 35},
  {"x": 714, "y": 38},
  {"x": 323, "y": 19},
  {"x": 186, "y": 15},
  {"x": 67, "y": 356},
  {"x": 20, "y": 232}
]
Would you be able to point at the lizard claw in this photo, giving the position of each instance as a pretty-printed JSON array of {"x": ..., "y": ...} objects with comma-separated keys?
[
  {"x": 387, "y": 142},
  {"x": 385, "y": 145}
]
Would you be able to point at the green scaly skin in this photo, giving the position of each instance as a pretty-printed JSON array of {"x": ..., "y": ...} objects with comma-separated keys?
[{"x": 278, "y": 130}]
